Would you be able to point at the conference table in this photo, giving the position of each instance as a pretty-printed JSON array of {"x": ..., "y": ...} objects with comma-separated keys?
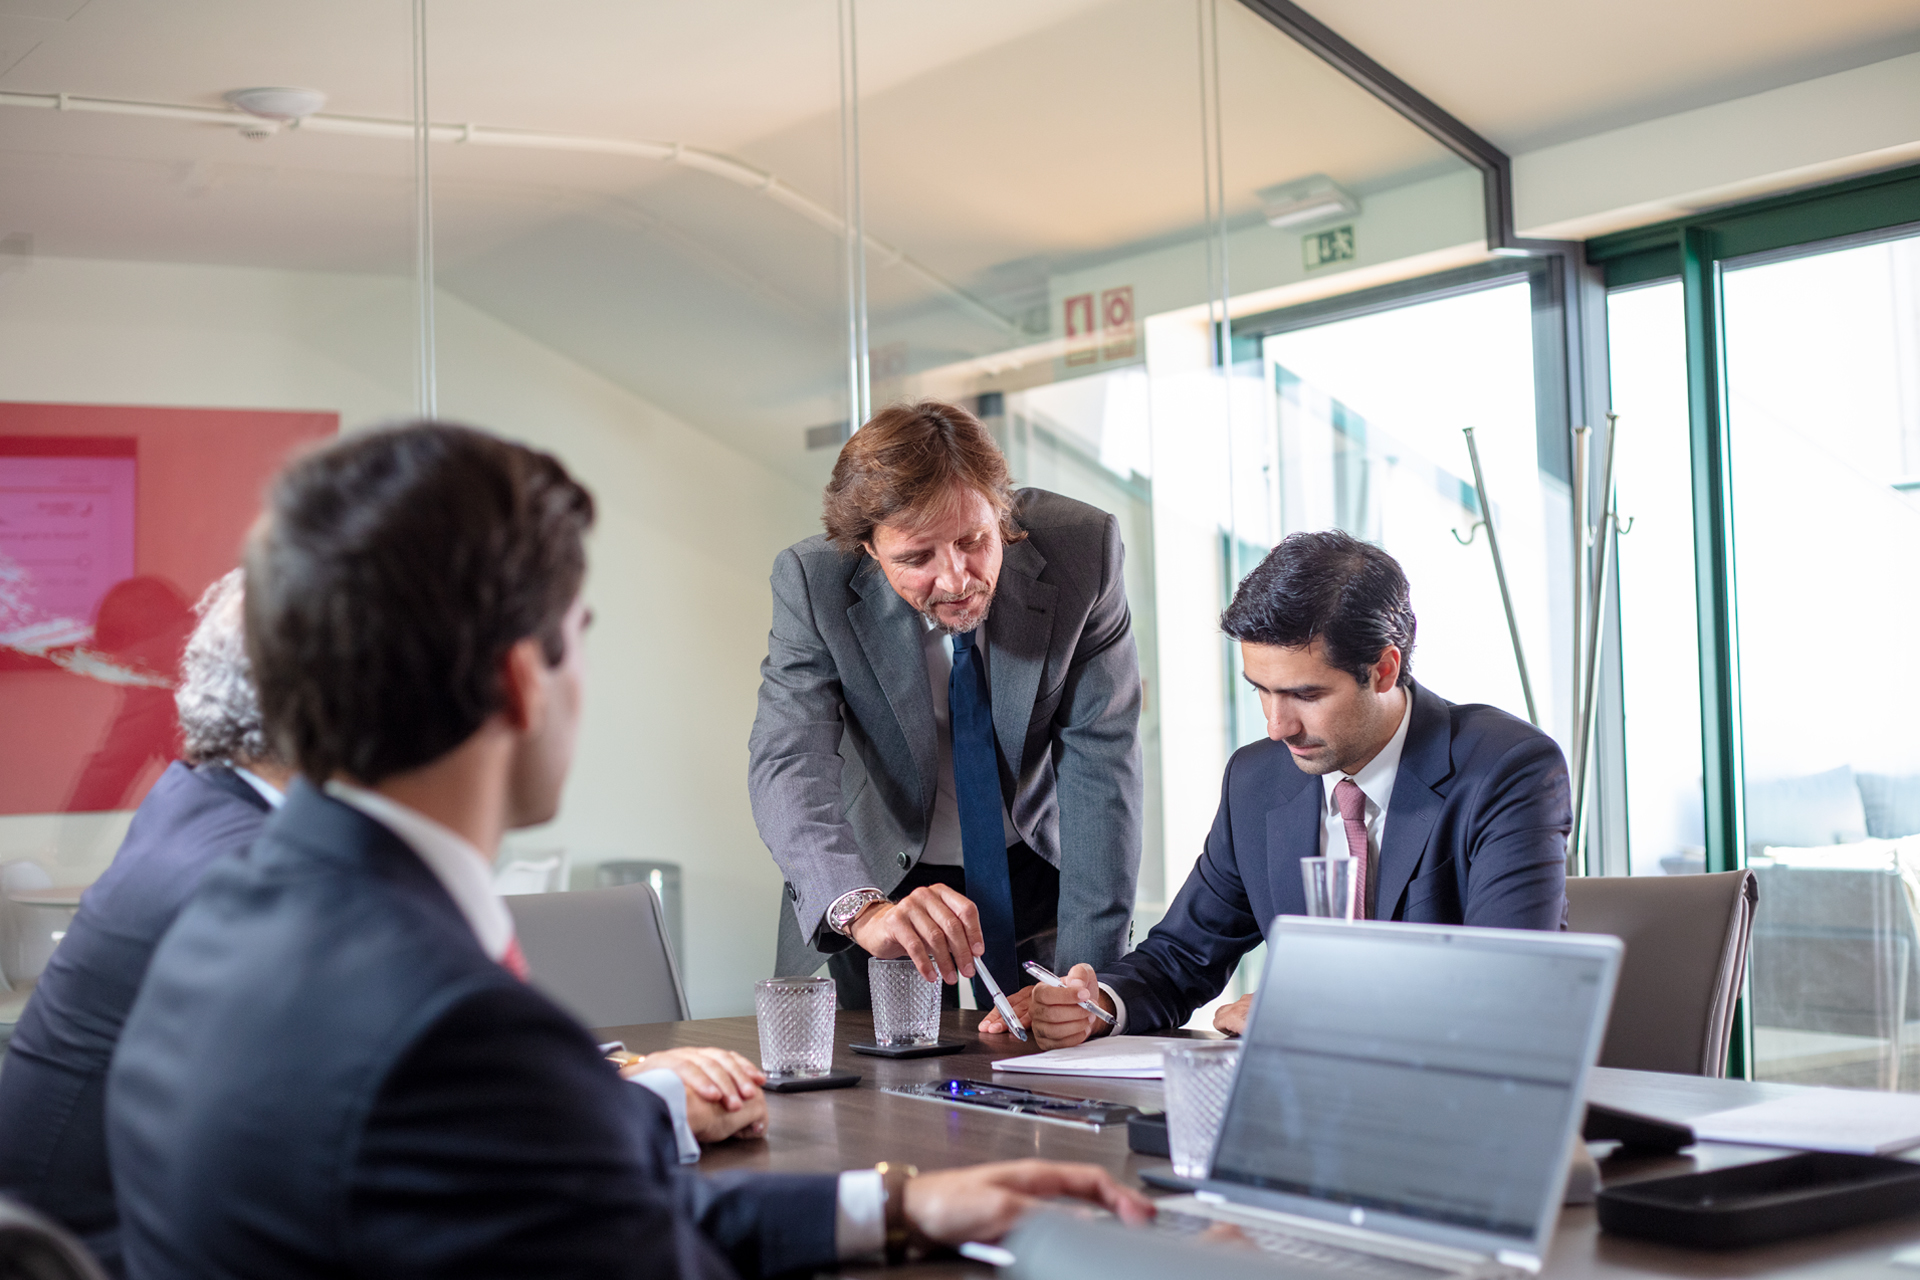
[{"x": 836, "y": 1129}]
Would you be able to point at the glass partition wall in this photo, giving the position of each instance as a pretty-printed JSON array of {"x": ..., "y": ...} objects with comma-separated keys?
[
  {"x": 680, "y": 246},
  {"x": 189, "y": 291}
]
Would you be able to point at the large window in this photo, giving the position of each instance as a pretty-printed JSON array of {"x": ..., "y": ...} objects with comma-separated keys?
[{"x": 1770, "y": 401}]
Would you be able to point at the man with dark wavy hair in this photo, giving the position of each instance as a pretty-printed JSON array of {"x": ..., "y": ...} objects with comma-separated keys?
[
  {"x": 1451, "y": 814},
  {"x": 946, "y": 760},
  {"x": 335, "y": 1066}
]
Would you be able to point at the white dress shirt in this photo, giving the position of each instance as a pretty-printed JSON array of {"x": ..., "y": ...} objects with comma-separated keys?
[
  {"x": 464, "y": 872},
  {"x": 268, "y": 792},
  {"x": 1375, "y": 781},
  {"x": 943, "y": 827}
]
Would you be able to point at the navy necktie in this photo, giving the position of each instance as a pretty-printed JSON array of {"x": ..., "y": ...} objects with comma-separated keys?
[{"x": 976, "y": 782}]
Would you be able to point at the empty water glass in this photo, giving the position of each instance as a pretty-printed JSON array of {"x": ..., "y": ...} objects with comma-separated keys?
[
  {"x": 906, "y": 1007},
  {"x": 1329, "y": 885},
  {"x": 1199, "y": 1078},
  {"x": 796, "y": 1025}
]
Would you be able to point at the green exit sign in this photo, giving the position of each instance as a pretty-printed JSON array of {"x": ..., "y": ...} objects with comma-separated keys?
[{"x": 1335, "y": 245}]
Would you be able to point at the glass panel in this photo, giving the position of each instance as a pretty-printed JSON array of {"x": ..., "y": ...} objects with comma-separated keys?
[
  {"x": 187, "y": 292},
  {"x": 639, "y": 268},
  {"x": 1368, "y": 417},
  {"x": 1823, "y": 376},
  {"x": 1659, "y": 634}
]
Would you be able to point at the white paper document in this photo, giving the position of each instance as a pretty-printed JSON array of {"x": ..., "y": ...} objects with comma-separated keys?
[
  {"x": 1857, "y": 1121},
  {"x": 1116, "y": 1057}
]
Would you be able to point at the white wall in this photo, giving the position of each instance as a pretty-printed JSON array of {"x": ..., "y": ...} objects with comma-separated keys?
[
  {"x": 688, "y": 531},
  {"x": 1814, "y": 131}
]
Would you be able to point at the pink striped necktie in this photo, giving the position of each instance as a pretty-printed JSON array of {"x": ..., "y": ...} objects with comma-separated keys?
[
  {"x": 515, "y": 960},
  {"x": 1353, "y": 813}
]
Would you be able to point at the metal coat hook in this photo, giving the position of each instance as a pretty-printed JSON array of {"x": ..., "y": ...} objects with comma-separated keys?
[{"x": 1473, "y": 531}]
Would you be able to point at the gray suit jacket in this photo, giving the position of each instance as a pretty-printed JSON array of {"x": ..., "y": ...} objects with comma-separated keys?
[{"x": 843, "y": 752}]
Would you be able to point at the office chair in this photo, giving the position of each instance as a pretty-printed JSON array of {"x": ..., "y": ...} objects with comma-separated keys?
[
  {"x": 603, "y": 954},
  {"x": 1686, "y": 957},
  {"x": 33, "y": 1247}
]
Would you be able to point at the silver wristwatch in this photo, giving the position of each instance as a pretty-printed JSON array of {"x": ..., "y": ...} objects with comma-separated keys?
[{"x": 848, "y": 905}]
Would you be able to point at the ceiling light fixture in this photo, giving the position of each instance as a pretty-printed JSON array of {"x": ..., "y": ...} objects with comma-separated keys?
[{"x": 1306, "y": 201}]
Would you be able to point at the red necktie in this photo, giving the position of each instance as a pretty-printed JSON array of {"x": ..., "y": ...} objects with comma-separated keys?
[
  {"x": 515, "y": 960},
  {"x": 1353, "y": 812}
]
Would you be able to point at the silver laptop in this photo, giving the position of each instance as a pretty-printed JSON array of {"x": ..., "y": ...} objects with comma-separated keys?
[{"x": 1408, "y": 1096}]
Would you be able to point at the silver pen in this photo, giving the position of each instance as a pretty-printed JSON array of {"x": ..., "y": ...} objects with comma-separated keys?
[
  {"x": 1000, "y": 1001},
  {"x": 1052, "y": 979}
]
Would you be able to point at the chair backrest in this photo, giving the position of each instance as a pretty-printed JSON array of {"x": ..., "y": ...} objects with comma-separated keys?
[
  {"x": 602, "y": 953},
  {"x": 665, "y": 879},
  {"x": 1686, "y": 958},
  {"x": 33, "y": 1247},
  {"x": 1838, "y": 952}
]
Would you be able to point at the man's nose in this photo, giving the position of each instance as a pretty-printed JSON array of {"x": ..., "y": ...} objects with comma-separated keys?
[
  {"x": 950, "y": 572},
  {"x": 1281, "y": 722}
]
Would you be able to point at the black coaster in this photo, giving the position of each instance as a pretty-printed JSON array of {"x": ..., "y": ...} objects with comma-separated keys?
[
  {"x": 806, "y": 1084},
  {"x": 937, "y": 1049}
]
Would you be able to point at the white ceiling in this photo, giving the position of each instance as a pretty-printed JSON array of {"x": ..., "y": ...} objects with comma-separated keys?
[{"x": 1002, "y": 140}]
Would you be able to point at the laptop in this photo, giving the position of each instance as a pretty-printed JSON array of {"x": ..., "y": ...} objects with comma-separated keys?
[{"x": 1408, "y": 1096}]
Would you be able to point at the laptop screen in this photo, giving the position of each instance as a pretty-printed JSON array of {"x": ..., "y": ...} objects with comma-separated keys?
[{"x": 1427, "y": 1072}]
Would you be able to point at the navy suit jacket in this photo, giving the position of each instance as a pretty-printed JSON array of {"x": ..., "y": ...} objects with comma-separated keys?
[
  {"x": 1476, "y": 833},
  {"x": 325, "y": 1075},
  {"x": 53, "y": 1145}
]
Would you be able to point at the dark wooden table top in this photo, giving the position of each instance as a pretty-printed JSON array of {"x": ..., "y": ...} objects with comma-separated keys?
[{"x": 853, "y": 1128}]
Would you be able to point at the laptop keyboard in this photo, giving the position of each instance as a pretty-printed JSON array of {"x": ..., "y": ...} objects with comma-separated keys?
[{"x": 1312, "y": 1254}]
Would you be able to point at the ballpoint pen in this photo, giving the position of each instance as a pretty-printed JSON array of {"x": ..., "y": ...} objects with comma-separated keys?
[
  {"x": 1000, "y": 1002},
  {"x": 1051, "y": 979}
]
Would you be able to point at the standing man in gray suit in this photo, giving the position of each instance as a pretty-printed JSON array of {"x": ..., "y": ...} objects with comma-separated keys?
[{"x": 946, "y": 759}]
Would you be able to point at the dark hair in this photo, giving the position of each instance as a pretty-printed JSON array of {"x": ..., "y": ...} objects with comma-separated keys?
[
  {"x": 1328, "y": 586},
  {"x": 386, "y": 583},
  {"x": 905, "y": 462}
]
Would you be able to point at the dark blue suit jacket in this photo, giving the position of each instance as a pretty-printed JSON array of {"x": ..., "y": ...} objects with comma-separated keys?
[
  {"x": 325, "y": 1075},
  {"x": 1476, "y": 834},
  {"x": 53, "y": 1145}
]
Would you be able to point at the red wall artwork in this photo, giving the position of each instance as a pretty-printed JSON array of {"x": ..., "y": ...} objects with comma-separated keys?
[{"x": 113, "y": 520}]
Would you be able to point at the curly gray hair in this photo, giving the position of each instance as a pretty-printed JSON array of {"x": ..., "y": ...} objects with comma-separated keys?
[{"x": 219, "y": 710}]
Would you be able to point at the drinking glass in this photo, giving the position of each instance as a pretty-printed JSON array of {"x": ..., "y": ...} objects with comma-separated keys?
[
  {"x": 1329, "y": 885},
  {"x": 796, "y": 1025},
  {"x": 1199, "y": 1078},
  {"x": 906, "y": 1007}
]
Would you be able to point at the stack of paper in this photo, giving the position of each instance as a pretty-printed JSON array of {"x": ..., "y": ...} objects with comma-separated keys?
[
  {"x": 1115, "y": 1057},
  {"x": 1858, "y": 1121}
]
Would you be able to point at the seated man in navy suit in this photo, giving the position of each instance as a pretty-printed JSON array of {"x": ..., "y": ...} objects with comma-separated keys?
[
  {"x": 212, "y": 803},
  {"x": 335, "y": 1066},
  {"x": 1454, "y": 814}
]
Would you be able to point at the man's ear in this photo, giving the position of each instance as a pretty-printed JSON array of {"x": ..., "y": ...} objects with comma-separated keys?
[
  {"x": 1386, "y": 672},
  {"x": 524, "y": 691},
  {"x": 868, "y": 548}
]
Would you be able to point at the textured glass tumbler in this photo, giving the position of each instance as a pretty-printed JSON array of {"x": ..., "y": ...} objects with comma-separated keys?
[
  {"x": 1199, "y": 1078},
  {"x": 1329, "y": 885},
  {"x": 906, "y": 1007},
  {"x": 796, "y": 1025}
]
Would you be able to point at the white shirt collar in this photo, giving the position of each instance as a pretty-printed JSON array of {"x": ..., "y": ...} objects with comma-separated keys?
[
  {"x": 459, "y": 867},
  {"x": 268, "y": 792},
  {"x": 1376, "y": 778}
]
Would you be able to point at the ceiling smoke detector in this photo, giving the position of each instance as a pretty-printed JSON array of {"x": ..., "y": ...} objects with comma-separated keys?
[{"x": 286, "y": 106}]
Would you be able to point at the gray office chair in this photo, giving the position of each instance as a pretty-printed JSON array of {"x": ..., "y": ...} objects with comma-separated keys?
[
  {"x": 33, "y": 1247},
  {"x": 1686, "y": 958},
  {"x": 603, "y": 954}
]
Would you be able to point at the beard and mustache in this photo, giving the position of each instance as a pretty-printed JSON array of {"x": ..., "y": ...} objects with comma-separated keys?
[{"x": 973, "y": 620}]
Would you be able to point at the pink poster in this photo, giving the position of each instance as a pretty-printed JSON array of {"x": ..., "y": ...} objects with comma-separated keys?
[{"x": 66, "y": 534}]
